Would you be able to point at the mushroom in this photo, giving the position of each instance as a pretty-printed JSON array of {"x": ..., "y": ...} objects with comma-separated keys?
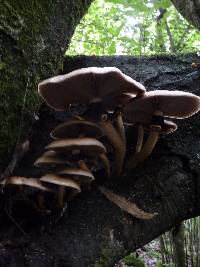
[
  {"x": 77, "y": 128},
  {"x": 154, "y": 131},
  {"x": 80, "y": 129},
  {"x": 85, "y": 145},
  {"x": 86, "y": 85},
  {"x": 77, "y": 174},
  {"x": 173, "y": 104},
  {"x": 117, "y": 142},
  {"x": 50, "y": 158},
  {"x": 150, "y": 110},
  {"x": 92, "y": 86},
  {"x": 30, "y": 182},
  {"x": 62, "y": 183},
  {"x": 81, "y": 146},
  {"x": 140, "y": 138}
]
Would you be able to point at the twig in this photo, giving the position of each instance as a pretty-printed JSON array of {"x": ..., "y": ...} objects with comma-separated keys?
[
  {"x": 16, "y": 224},
  {"x": 126, "y": 205}
]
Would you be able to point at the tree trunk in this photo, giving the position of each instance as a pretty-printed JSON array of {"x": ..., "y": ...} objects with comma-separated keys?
[
  {"x": 34, "y": 35},
  {"x": 93, "y": 229},
  {"x": 190, "y": 10},
  {"x": 178, "y": 243}
]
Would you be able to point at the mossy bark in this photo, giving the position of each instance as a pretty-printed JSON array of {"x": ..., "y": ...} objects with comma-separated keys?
[{"x": 34, "y": 35}]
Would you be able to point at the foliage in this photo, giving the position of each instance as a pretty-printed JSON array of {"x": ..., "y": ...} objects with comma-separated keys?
[
  {"x": 131, "y": 260},
  {"x": 133, "y": 27}
]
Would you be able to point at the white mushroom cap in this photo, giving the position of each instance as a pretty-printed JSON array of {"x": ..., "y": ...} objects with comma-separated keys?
[
  {"x": 60, "y": 181},
  {"x": 31, "y": 182},
  {"x": 77, "y": 173},
  {"x": 173, "y": 104},
  {"x": 50, "y": 158},
  {"x": 83, "y": 85},
  {"x": 74, "y": 128},
  {"x": 85, "y": 145}
]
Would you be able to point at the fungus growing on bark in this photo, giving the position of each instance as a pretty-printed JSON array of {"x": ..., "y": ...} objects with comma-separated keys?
[
  {"x": 93, "y": 86},
  {"x": 77, "y": 174},
  {"x": 149, "y": 112},
  {"x": 33, "y": 183},
  {"x": 85, "y": 145},
  {"x": 24, "y": 181},
  {"x": 77, "y": 128},
  {"x": 86, "y": 85},
  {"x": 49, "y": 159},
  {"x": 62, "y": 183}
]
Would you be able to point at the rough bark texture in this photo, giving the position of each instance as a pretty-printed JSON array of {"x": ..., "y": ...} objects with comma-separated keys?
[
  {"x": 190, "y": 10},
  {"x": 34, "y": 35},
  {"x": 93, "y": 229}
]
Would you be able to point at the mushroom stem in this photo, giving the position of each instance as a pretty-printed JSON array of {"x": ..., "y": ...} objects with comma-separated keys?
[
  {"x": 120, "y": 128},
  {"x": 41, "y": 202},
  {"x": 106, "y": 164},
  {"x": 147, "y": 148},
  {"x": 83, "y": 165},
  {"x": 140, "y": 139},
  {"x": 117, "y": 143},
  {"x": 60, "y": 197}
]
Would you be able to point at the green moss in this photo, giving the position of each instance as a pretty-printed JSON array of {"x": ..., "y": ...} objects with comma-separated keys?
[
  {"x": 32, "y": 45},
  {"x": 100, "y": 265},
  {"x": 131, "y": 260}
]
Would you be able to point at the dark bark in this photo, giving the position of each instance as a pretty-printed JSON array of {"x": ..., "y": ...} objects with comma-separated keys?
[
  {"x": 93, "y": 229},
  {"x": 190, "y": 10},
  {"x": 34, "y": 35}
]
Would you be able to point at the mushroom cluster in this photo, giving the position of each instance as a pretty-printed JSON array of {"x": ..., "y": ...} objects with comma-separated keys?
[
  {"x": 81, "y": 144},
  {"x": 74, "y": 155}
]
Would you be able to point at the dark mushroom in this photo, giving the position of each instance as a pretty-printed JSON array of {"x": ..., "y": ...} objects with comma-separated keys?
[
  {"x": 77, "y": 128},
  {"x": 29, "y": 182},
  {"x": 77, "y": 174},
  {"x": 49, "y": 159},
  {"x": 81, "y": 129},
  {"x": 24, "y": 181},
  {"x": 87, "y": 85},
  {"x": 62, "y": 183}
]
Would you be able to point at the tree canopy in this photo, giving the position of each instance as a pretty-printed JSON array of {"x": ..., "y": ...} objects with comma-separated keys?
[{"x": 136, "y": 27}]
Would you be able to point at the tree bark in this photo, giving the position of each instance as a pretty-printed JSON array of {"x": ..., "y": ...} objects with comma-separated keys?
[
  {"x": 178, "y": 235},
  {"x": 34, "y": 36},
  {"x": 190, "y": 10},
  {"x": 93, "y": 229}
]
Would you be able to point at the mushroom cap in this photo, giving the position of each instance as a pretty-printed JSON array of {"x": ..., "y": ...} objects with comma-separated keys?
[
  {"x": 77, "y": 173},
  {"x": 50, "y": 158},
  {"x": 167, "y": 127},
  {"x": 31, "y": 182},
  {"x": 84, "y": 145},
  {"x": 60, "y": 181},
  {"x": 83, "y": 85},
  {"x": 173, "y": 104},
  {"x": 74, "y": 128}
]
